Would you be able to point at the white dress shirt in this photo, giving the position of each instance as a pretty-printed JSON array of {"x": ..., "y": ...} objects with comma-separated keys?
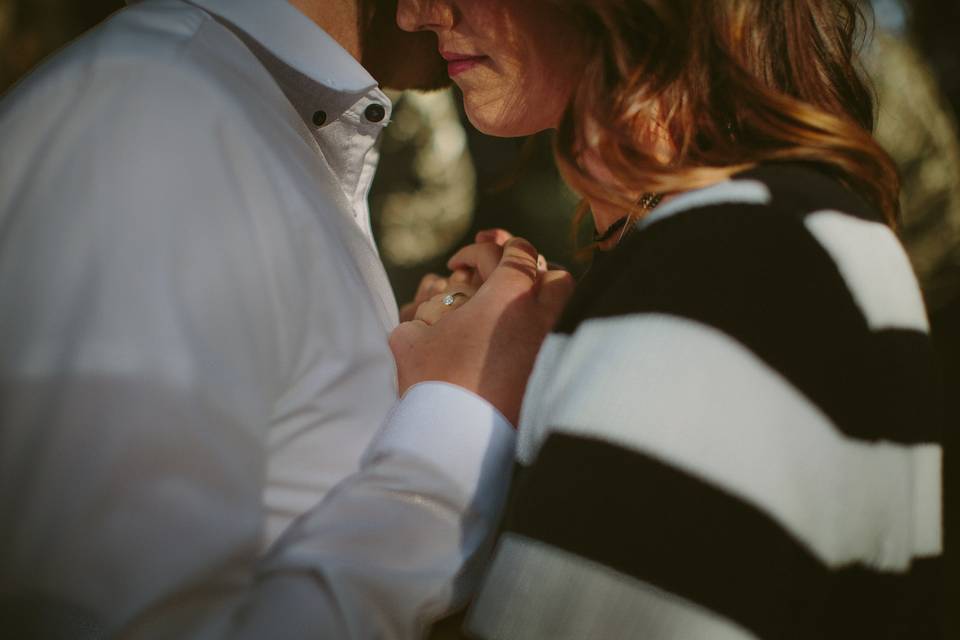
[{"x": 194, "y": 375}]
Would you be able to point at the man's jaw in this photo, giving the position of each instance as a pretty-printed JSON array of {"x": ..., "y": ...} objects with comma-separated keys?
[{"x": 396, "y": 58}]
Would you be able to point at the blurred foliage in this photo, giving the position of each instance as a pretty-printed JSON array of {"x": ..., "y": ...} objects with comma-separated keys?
[
  {"x": 430, "y": 182},
  {"x": 935, "y": 24},
  {"x": 918, "y": 129},
  {"x": 32, "y": 29}
]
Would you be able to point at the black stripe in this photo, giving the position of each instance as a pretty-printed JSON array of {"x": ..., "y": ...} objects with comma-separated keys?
[
  {"x": 804, "y": 188},
  {"x": 646, "y": 519},
  {"x": 907, "y": 403},
  {"x": 756, "y": 274}
]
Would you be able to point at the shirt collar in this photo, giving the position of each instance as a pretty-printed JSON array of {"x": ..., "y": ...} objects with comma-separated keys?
[{"x": 294, "y": 39}]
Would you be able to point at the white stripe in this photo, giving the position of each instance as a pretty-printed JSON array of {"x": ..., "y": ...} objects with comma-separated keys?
[
  {"x": 534, "y": 590},
  {"x": 927, "y": 505},
  {"x": 547, "y": 378},
  {"x": 875, "y": 267},
  {"x": 698, "y": 400},
  {"x": 727, "y": 192}
]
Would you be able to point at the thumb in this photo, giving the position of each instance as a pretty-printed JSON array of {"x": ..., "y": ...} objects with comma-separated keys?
[
  {"x": 405, "y": 337},
  {"x": 406, "y": 343},
  {"x": 556, "y": 287}
]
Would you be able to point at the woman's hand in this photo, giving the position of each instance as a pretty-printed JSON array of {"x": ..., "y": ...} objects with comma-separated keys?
[
  {"x": 430, "y": 285},
  {"x": 451, "y": 298},
  {"x": 434, "y": 286},
  {"x": 488, "y": 345}
]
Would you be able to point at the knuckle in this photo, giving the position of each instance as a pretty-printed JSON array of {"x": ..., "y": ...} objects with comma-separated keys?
[
  {"x": 491, "y": 249},
  {"x": 423, "y": 312},
  {"x": 525, "y": 270},
  {"x": 396, "y": 340},
  {"x": 520, "y": 247}
]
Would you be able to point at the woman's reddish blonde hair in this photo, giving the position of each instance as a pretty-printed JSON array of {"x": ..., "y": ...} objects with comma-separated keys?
[{"x": 731, "y": 83}]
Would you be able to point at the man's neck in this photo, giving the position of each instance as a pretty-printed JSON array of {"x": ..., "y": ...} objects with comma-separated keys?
[{"x": 339, "y": 18}]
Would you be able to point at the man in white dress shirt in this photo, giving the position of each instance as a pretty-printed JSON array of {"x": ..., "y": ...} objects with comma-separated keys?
[{"x": 199, "y": 433}]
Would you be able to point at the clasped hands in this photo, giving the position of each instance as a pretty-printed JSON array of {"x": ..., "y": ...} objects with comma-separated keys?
[{"x": 487, "y": 339}]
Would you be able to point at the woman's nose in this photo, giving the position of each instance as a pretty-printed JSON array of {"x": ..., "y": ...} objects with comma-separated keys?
[{"x": 420, "y": 15}]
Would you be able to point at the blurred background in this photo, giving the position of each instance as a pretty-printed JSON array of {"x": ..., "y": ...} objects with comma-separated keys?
[{"x": 440, "y": 181}]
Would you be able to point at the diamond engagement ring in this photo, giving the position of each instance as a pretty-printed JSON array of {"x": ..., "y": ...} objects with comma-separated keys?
[{"x": 449, "y": 299}]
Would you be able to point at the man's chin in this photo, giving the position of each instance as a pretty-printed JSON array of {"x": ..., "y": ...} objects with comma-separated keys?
[
  {"x": 400, "y": 75},
  {"x": 397, "y": 59}
]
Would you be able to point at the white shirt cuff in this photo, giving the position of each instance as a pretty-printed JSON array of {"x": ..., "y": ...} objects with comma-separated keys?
[{"x": 455, "y": 430}]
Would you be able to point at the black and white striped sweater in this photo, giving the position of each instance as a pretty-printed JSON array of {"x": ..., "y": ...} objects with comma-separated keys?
[{"x": 732, "y": 433}]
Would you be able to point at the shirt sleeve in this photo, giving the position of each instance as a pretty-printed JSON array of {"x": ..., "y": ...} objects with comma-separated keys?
[
  {"x": 390, "y": 549},
  {"x": 138, "y": 369}
]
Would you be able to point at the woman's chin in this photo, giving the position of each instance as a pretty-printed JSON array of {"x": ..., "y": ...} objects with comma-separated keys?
[{"x": 501, "y": 124}]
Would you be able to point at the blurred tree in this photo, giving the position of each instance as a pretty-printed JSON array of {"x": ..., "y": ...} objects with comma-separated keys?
[
  {"x": 934, "y": 25},
  {"x": 917, "y": 128},
  {"x": 428, "y": 182},
  {"x": 32, "y": 29}
]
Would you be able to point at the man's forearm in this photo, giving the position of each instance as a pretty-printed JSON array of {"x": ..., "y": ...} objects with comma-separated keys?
[{"x": 388, "y": 551}]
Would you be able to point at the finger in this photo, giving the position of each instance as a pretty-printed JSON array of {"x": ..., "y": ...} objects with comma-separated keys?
[
  {"x": 496, "y": 236},
  {"x": 482, "y": 258},
  {"x": 405, "y": 336},
  {"x": 467, "y": 279},
  {"x": 458, "y": 287},
  {"x": 517, "y": 266},
  {"x": 430, "y": 285},
  {"x": 428, "y": 312},
  {"x": 475, "y": 281},
  {"x": 438, "y": 306},
  {"x": 461, "y": 276},
  {"x": 541, "y": 264},
  {"x": 404, "y": 342},
  {"x": 464, "y": 279},
  {"x": 408, "y": 311},
  {"x": 439, "y": 285},
  {"x": 555, "y": 289}
]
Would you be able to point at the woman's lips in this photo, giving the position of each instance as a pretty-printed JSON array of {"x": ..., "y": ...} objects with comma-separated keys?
[{"x": 458, "y": 63}]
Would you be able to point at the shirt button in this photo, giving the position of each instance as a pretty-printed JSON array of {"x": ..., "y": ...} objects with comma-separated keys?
[
  {"x": 319, "y": 118},
  {"x": 375, "y": 112}
]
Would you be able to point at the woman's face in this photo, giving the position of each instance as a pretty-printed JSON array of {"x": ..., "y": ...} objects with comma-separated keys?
[{"x": 516, "y": 61}]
